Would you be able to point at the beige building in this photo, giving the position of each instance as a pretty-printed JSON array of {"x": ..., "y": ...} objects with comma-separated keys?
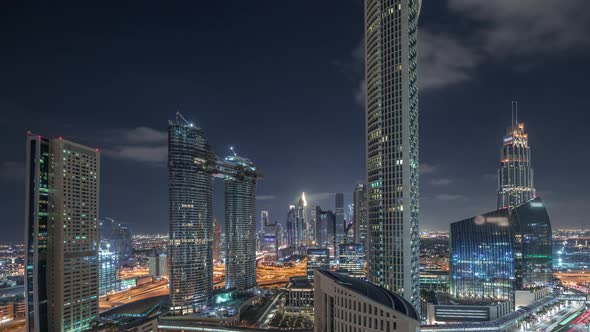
[
  {"x": 346, "y": 304},
  {"x": 62, "y": 234}
]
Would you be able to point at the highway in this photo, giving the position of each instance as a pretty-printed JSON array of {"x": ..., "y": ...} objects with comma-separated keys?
[
  {"x": 267, "y": 277},
  {"x": 575, "y": 323},
  {"x": 145, "y": 291}
]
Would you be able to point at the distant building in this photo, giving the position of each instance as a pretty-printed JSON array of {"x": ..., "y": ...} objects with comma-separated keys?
[
  {"x": 158, "y": 265},
  {"x": 118, "y": 237},
  {"x": 299, "y": 294},
  {"x": 61, "y": 227},
  {"x": 351, "y": 260},
  {"x": 359, "y": 216},
  {"x": 437, "y": 281},
  {"x": 302, "y": 222},
  {"x": 264, "y": 220},
  {"x": 343, "y": 303},
  {"x": 270, "y": 242},
  {"x": 349, "y": 233},
  {"x": 340, "y": 223},
  {"x": 217, "y": 243},
  {"x": 317, "y": 259},
  {"x": 515, "y": 174},
  {"x": 107, "y": 270}
]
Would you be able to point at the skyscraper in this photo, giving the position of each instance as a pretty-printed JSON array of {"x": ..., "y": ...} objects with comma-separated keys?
[
  {"x": 240, "y": 222},
  {"x": 515, "y": 174},
  {"x": 359, "y": 216},
  {"x": 61, "y": 281},
  {"x": 340, "y": 224},
  {"x": 190, "y": 194},
  {"x": 263, "y": 220},
  {"x": 391, "y": 32},
  {"x": 107, "y": 269},
  {"x": 302, "y": 222}
]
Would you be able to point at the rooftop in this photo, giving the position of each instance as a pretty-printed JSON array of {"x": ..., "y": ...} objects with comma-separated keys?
[{"x": 375, "y": 293}]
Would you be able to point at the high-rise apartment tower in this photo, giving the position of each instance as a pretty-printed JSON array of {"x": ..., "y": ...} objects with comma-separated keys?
[{"x": 391, "y": 38}]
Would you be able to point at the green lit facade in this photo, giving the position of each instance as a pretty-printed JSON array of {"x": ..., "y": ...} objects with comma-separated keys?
[{"x": 533, "y": 245}]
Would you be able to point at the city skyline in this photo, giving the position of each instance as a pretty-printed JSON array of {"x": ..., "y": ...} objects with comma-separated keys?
[{"x": 125, "y": 118}]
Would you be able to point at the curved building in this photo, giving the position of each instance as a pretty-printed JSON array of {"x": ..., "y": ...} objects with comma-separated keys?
[
  {"x": 391, "y": 32},
  {"x": 533, "y": 239},
  {"x": 190, "y": 190},
  {"x": 240, "y": 177},
  {"x": 343, "y": 303},
  {"x": 482, "y": 258}
]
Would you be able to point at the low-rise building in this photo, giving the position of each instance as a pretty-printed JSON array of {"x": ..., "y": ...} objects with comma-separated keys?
[{"x": 343, "y": 303}]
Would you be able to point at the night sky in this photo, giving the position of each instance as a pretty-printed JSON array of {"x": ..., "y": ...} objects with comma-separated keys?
[{"x": 282, "y": 81}]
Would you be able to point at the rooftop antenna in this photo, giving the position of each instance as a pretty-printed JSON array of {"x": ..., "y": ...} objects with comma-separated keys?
[
  {"x": 512, "y": 107},
  {"x": 232, "y": 150},
  {"x": 179, "y": 116},
  {"x": 516, "y": 111}
]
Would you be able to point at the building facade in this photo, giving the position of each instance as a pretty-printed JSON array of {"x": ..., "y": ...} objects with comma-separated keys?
[
  {"x": 190, "y": 210},
  {"x": 533, "y": 245},
  {"x": 351, "y": 260},
  {"x": 240, "y": 222},
  {"x": 359, "y": 216},
  {"x": 61, "y": 227},
  {"x": 392, "y": 145},
  {"x": 340, "y": 221},
  {"x": 108, "y": 267},
  {"x": 515, "y": 174},
  {"x": 343, "y": 303},
  {"x": 482, "y": 259},
  {"x": 158, "y": 265},
  {"x": 317, "y": 259}
]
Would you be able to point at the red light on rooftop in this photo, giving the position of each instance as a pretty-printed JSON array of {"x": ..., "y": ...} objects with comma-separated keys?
[
  {"x": 60, "y": 137},
  {"x": 97, "y": 150}
]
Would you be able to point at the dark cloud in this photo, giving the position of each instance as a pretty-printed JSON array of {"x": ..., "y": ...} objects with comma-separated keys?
[
  {"x": 444, "y": 60},
  {"x": 527, "y": 27},
  {"x": 140, "y": 144}
]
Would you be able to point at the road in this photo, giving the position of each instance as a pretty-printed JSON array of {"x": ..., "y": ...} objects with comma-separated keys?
[
  {"x": 267, "y": 277},
  {"x": 551, "y": 321},
  {"x": 578, "y": 324},
  {"x": 145, "y": 291}
]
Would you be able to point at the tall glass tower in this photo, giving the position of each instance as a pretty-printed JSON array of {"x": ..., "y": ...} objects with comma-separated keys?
[
  {"x": 240, "y": 222},
  {"x": 391, "y": 32},
  {"x": 190, "y": 205},
  {"x": 340, "y": 223},
  {"x": 515, "y": 174},
  {"x": 359, "y": 215}
]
